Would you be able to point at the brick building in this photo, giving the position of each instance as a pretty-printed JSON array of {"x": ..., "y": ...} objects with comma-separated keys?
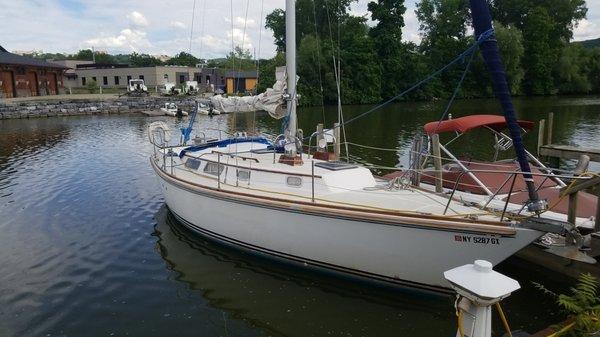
[{"x": 22, "y": 76}]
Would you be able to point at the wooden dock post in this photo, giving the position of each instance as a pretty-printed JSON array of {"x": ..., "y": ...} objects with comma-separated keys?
[
  {"x": 437, "y": 162},
  {"x": 572, "y": 190},
  {"x": 540, "y": 135}
]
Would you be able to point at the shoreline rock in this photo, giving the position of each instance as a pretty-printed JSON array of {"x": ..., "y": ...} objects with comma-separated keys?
[{"x": 78, "y": 107}]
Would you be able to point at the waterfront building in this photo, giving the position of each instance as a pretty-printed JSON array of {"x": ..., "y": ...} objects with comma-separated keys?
[
  {"x": 23, "y": 76},
  {"x": 81, "y": 73}
]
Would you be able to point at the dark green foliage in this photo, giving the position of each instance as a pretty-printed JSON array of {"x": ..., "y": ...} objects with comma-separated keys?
[
  {"x": 582, "y": 305},
  {"x": 590, "y": 43},
  {"x": 143, "y": 60},
  {"x": 183, "y": 59},
  {"x": 394, "y": 66},
  {"x": 267, "y": 71},
  {"x": 100, "y": 57}
]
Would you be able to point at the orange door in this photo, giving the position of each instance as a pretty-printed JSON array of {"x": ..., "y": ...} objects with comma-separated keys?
[
  {"x": 230, "y": 88},
  {"x": 8, "y": 83}
]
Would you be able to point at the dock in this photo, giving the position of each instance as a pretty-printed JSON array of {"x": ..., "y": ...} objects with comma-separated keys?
[
  {"x": 568, "y": 152},
  {"x": 553, "y": 152}
]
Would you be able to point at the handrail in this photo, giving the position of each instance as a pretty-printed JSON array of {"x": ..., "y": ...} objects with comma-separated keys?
[{"x": 234, "y": 155}]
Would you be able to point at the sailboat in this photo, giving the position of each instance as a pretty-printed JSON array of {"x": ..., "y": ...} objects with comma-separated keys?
[{"x": 269, "y": 197}]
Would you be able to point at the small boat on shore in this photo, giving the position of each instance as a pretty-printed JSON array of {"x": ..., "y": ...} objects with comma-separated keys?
[
  {"x": 171, "y": 109},
  {"x": 207, "y": 110}
]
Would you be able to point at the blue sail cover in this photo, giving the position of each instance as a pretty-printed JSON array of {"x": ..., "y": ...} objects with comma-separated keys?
[{"x": 482, "y": 23}]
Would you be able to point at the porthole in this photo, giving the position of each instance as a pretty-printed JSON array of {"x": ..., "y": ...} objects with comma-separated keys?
[{"x": 293, "y": 181}]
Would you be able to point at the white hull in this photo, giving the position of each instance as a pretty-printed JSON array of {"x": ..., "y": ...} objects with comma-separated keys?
[{"x": 393, "y": 252}]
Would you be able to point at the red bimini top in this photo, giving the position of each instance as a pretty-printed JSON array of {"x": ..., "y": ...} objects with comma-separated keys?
[{"x": 467, "y": 123}]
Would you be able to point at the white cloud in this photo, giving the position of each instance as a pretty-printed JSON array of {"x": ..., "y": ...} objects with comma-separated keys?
[
  {"x": 128, "y": 39},
  {"x": 178, "y": 25},
  {"x": 158, "y": 27},
  {"x": 137, "y": 19},
  {"x": 586, "y": 30}
]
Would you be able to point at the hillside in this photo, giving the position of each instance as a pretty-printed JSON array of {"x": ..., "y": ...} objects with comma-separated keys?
[{"x": 590, "y": 43}]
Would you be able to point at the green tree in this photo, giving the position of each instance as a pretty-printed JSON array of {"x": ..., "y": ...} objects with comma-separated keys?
[
  {"x": 183, "y": 59},
  {"x": 510, "y": 43},
  {"x": 387, "y": 39},
  {"x": 240, "y": 59},
  {"x": 266, "y": 77},
  {"x": 360, "y": 78},
  {"x": 100, "y": 57},
  {"x": 571, "y": 70},
  {"x": 443, "y": 29},
  {"x": 593, "y": 69},
  {"x": 539, "y": 57},
  {"x": 143, "y": 60},
  {"x": 547, "y": 27},
  {"x": 325, "y": 15}
]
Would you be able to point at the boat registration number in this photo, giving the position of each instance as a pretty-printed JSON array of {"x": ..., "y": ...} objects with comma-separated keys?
[{"x": 483, "y": 240}]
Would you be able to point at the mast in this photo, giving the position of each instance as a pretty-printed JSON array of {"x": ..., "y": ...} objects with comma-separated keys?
[
  {"x": 290, "y": 59},
  {"x": 482, "y": 22}
]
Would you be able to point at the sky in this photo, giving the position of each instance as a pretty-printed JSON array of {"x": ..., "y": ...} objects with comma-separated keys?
[{"x": 164, "y": 26}]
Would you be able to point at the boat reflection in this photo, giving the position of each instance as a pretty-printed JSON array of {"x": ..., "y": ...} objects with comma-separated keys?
[{"x": 286, "y": 301}]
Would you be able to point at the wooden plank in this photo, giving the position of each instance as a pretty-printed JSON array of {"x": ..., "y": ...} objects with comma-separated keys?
[{"x": 569, "y": 152}]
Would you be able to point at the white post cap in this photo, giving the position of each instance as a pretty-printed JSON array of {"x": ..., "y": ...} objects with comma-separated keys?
[{"x": 481, "y": 280}]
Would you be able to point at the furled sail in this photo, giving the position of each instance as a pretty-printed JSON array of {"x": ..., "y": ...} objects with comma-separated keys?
[
  {"x": 482, "y": 23},
  {"x": 271, "y": 101}
]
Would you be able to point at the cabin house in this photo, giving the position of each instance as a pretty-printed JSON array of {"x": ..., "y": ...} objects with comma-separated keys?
[
  {"x": 22, "y": 76},
  {"x": 239, "y": 82}
]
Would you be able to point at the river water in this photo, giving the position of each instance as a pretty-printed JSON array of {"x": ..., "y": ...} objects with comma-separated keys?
[{"x": 87, "y": 247}]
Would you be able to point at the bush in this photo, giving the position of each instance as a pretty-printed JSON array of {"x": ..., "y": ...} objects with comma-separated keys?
[
  {"x": 582, "y": 306},
  {"x": 92, "y": 87}
]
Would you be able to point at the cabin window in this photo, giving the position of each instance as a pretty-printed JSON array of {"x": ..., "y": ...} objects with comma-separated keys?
[
  {"x": 166, "y": 77},
  {"x": 94, "y": 79},
  {"x": 128, "y": 78},
  {"x": 192, "y": 164},
  {"x": 116, "y": 80},
  {"x": 213, "y": 168},
  {"x": 105, "y": 80},
  {"x": 293, "y": 181},
  {"x": 20, "y": 71},
  {"x": 243, "y": 175},
  {"x": 141, "y": 77},
  {"x": 82, "y": 80}
]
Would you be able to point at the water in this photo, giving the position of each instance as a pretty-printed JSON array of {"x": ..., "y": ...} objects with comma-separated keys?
[{"x": 87, "y": 247}]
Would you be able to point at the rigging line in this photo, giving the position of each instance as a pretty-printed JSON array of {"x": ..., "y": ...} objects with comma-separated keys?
[
  {"x": 192, "y": 27},
  {"x": 318, "y": 38},
  {"x": 232, "y": 43},
  {"x": 202, "y": 24},
  {"x": 244, "y": 35},
  {"x": 262, "y": 12},
  {"x": 456, "y": 90}
]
